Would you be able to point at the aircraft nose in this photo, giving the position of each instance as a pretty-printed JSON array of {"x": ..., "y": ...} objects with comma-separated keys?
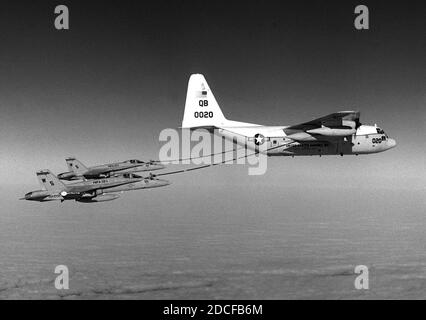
[
  {"x": 26, "y": 197},
  {"x": 391, "y": 143},
  {"x": 163, "y": 183}
]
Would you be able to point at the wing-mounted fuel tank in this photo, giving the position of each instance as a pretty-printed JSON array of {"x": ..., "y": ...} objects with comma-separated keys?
[
  {"x": 99, "y": 198},
  {"x": 324, "y": 132},
  {"x": 333, "y": 132}
]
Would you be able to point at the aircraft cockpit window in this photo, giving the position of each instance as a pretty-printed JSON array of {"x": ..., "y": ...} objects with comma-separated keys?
[
  {"x": 28, "y": 194},
  {"x": 381, "y": 131}
]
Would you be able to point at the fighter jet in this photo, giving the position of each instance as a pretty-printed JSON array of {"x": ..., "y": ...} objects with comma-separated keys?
[
  {"x": 88, "y": 191},
  {"x": 79, "y": 171},
  {"x": 339, "y": 133}
]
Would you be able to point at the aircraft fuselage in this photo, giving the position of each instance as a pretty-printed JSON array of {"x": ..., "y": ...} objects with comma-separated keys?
[
  {"x": 276, "y": 142},
  {"x": 106, "y": 170},
  {"x": 95, "y": 190}
]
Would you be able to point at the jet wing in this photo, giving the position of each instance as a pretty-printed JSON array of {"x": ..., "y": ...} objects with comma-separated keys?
[
  {"x": 92, "y": 187},
  {"x": 97, "y": 171},
  {"x": 332, "y": 120}
]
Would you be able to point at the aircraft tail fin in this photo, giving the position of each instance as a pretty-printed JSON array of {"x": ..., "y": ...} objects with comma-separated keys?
[
  {"x": 49, "y": 181},
  {"x": 76, "y": 166},
  {"x": 201, "y": 107}
]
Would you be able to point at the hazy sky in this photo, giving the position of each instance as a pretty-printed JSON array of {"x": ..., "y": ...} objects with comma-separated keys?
[{"x": 104, "y": 90}]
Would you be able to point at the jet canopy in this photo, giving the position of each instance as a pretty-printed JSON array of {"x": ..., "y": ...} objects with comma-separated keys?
[
  {"x": 134, "y": 161},
  {"x": 131, "y": 176}
]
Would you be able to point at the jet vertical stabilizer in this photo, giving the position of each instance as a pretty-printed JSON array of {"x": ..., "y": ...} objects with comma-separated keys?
[
  {"x": 49, "y": 181},
  {"x": 76, "y": 166}
]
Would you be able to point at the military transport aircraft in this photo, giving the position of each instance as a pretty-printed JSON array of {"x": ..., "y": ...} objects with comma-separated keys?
[
  {"x": 337, "y": 133},
  {"x": 79, "y": 171},
  {"x": 97, "y": 190}
]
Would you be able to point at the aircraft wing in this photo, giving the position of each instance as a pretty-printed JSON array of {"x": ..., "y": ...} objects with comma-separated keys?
[
  {"x": 108, "y": 170},
  {"x": 92, "y": 187},
  {"x": 332, "y": 120}
]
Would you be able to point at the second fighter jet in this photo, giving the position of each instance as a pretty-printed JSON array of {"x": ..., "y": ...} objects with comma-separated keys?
[{"x": 79, "y": 171}]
